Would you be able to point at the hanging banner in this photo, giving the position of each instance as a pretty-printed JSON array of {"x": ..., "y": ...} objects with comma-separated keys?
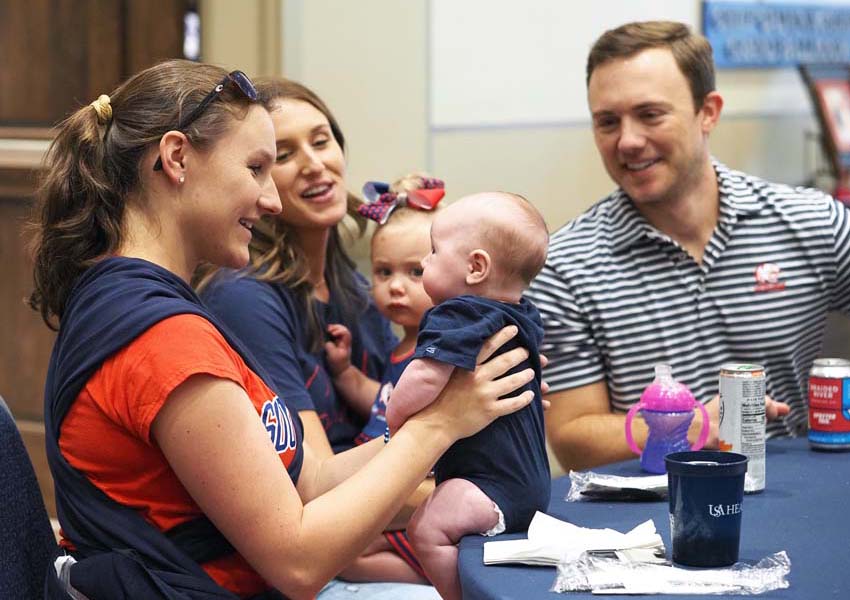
[{"x": 774, "y": 34}]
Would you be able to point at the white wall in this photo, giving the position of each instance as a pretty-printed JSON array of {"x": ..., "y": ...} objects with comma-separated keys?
[
  {"x": 367, "y": 60},
  {"x": 376, "y": 63},
  {"x": 242, "y": 35}
]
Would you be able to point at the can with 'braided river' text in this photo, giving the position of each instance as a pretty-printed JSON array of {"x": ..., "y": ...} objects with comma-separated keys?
[{"x": 829, "y": 404}]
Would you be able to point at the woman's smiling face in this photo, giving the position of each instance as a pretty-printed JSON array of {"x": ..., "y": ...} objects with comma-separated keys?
[
  {"x": 309, "y": 169},
  {"x": 228, "y": 189}
]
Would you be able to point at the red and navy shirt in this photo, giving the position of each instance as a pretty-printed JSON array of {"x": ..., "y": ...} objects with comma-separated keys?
[{"x": 115, "y": 410}]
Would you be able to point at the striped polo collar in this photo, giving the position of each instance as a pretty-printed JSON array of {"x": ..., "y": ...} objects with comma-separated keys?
[
  {"x": 737, "y": 191},
  {"x": 626, "y": 224},
  {"x": 737, "y": 195}
]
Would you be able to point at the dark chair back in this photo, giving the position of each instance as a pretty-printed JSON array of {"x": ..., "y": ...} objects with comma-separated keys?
[{"x": 26, "y": 537}]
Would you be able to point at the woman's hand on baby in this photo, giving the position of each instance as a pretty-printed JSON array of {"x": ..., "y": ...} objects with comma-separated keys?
[
  {"x": 338, "y": 348},
  {"x": 471, "y": 400}
]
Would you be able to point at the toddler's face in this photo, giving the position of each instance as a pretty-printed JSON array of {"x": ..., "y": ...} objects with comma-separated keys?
[{"x": 397, "y": 252}]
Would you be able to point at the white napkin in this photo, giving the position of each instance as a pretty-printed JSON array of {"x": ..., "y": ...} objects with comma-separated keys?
[{"x": 551, "y": 540}]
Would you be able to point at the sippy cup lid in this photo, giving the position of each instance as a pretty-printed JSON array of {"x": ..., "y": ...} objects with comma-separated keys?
[{"x": 667, "y": 394}]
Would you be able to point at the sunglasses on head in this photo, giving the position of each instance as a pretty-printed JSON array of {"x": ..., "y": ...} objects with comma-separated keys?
[{"x": 243, "y": 83}]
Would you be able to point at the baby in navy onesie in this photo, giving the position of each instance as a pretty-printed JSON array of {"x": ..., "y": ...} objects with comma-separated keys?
[{"x": 485, "y": 250}]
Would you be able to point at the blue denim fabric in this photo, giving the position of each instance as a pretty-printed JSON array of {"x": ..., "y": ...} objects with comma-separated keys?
[{"x": 344, "y": 590}]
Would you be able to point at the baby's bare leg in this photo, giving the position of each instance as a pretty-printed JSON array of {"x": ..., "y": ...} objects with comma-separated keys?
[{"x": 456, "y": 508}]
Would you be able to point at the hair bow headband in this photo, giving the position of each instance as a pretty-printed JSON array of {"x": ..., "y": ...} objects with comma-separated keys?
[{"x": 381, "y": 202}]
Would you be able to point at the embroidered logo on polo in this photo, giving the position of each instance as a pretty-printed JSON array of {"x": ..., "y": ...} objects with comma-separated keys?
[
  {"x": 278, "y": 423},
  {"x": 767, "y": 278}
]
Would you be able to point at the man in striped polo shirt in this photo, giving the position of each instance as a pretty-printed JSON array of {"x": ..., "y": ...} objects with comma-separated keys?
[{"x": 686, "y": 263}]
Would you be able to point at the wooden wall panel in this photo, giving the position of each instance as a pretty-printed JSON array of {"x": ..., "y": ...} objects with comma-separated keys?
[
  {"x": 57, "y": 56},
  {"x": 153, "y": 35},
  {"x": 27, "y": 341},
  {"x": 68, "y": 52}
]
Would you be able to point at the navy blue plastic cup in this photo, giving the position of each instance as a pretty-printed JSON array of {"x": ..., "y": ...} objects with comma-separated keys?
[{"x": 706, "y": 493}]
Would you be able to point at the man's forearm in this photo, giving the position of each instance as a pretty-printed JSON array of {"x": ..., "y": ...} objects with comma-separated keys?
[{"x": 593, "y": 439}]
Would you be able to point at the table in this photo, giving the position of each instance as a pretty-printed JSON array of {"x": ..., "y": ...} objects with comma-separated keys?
[{"x": 804, "y": 510}]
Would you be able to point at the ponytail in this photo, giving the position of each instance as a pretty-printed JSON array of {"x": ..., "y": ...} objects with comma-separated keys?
[{"x": 79, "y": 210}]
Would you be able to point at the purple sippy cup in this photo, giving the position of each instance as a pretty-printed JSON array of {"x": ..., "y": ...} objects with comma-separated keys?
[{"x": 667, "y": 406}]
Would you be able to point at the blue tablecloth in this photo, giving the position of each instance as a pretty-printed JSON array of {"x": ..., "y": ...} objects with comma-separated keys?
[{"x": 804, "y": 510}]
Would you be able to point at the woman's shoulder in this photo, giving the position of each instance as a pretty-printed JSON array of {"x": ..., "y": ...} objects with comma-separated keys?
[
  {"x": 167, "y": 353},
  {"x": 262, "y": 314},
  {"x": 242, "y": 289},
  {"x": 182, "y": 335},
  {"x": 231, "y": 282}
]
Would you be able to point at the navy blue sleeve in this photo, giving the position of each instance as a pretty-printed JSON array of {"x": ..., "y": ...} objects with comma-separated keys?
[
  {"x": 265, "y": 322},
  {"x": 454, "y": 331}
]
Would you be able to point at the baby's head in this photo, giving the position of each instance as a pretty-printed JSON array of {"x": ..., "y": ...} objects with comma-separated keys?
[
  {"x": 398, "y": 247},
  {"x": 490, "y": 244}
]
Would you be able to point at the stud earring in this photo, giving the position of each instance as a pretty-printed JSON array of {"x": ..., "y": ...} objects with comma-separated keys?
[{"x": 181, "y": 179}]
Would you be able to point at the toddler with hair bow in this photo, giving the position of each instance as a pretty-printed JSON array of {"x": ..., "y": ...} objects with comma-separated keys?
[{"x": 403, "y": 211}]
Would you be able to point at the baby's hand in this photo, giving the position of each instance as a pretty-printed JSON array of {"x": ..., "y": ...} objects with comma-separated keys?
[{"x": 338, "y": 349}]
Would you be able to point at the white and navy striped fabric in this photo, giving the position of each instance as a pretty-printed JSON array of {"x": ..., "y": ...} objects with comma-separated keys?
[{"x": 617, "y": 296}]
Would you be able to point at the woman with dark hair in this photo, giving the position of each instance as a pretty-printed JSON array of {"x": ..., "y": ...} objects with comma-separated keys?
[{"x": 207, "y": 489}]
